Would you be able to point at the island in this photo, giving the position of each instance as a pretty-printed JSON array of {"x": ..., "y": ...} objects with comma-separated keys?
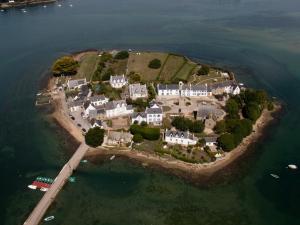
[{"x": 159, "y": 109}]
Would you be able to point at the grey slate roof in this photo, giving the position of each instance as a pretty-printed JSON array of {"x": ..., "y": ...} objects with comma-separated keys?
[
  {"x": 138, "y": 89},
  {"x": 113, "y": 104},
  {"x": 74, "y": 83},
  {"x": 153, "y": 111},
  {"x": 211, "y": 139},
  {"x": 117, "y": 78},
  {"x": 136, "y": 114},
  {"x": 179, "y": 134},
  {"x": 96, "y": 98},
  {"x": 76, "y": 103},
  {"x": 209, "y": 110},
  {"x": 167, "y": 87},
  {"x": 221, "y": 84}
]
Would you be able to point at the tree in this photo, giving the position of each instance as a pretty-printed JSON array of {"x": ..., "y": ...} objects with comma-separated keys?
[
  {"x": 148, "y": 133},
  {"x": 232, "y": 108},
  {"x": 252, "y": 111},
  {"x": 204, "y": 70},
  {"x": 65, "y": 66},
  {"x": 105, "y": 57},
  {"x": 201, "y": 142},
  {"x": 122, "y": 55},
  {"x": 94, "y": 137},
  {"x": 154, "y": 64},
  {"x": 144, "y": 124},
  {"x": 134, "y": 78},
  {"x": 220, "y": 127},
  {"x": 137, "y": 138},
  {"x": 106, "y": 76},
  {"x": 226, "y": 142},
  {"x": 197, "y": 127},
  {"x": 181, "y": 123}
]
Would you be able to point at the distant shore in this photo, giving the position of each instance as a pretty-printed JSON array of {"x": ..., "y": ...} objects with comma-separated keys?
[{"x": 7, "y": 5}]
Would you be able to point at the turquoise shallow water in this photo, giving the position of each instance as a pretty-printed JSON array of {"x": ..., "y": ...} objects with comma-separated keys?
[{"x": 258, "y": 39}]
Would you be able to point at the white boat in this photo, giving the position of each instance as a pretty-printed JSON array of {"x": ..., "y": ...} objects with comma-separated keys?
[
  {"x": 112, "y": 157},
  {"x": 59, "y": 5},
  {"x": 292, "y": 166},
  {"x": 44, "y": 6},
  {"x": 49, "y": 218},
  {"x": 33, "y": 187},
  {"x": 44, "y": 189},
  {"x": 71, "y": 5},
  {"x": 274, "y": 175}
]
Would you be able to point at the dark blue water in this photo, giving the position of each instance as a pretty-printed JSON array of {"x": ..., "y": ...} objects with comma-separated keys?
[{"x": 258, "y": 39}]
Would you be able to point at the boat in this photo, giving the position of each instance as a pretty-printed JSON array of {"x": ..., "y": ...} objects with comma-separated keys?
[
  {"x": 44, "y": 6},
  {"x": 84, "y": 161},
  {"x": 292, "y": 166},
  {"x": 33, "y": 187},
  {"x": 59, "y": 5},
  {"x": 44, "y": 189},
  {"x": 274, "y": 175},
  {"x": 49, "y": 218},
  {"x": 72, "y": 179},
  {"x": 112, "y": 157},
  {"x": 71, "y": 5}
]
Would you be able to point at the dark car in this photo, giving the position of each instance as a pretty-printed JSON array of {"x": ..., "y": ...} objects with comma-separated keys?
[
  {"x": 84, "y": 130},
  {"x": 72, "y": 117},
  {"x": 78, "y": 124}
]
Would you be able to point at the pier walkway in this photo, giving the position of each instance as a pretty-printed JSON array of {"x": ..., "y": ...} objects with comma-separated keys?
[{"x": 39, "y": 211}]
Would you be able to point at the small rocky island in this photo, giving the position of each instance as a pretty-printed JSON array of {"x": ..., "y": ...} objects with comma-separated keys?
[
  {"x": 157, "y": 108},
  {"x": 21, "y": 3}
]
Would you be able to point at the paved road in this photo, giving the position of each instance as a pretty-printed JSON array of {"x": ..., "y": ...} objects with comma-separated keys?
[{"x": 39, "y": 211}]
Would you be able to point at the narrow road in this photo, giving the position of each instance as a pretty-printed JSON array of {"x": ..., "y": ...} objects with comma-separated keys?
[{"x": 39, "y": 211}]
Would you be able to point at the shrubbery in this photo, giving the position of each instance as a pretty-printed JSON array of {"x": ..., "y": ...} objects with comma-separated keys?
[
  {"x": 185, "y": 124},
  {"x": 204, "y": 70},
  {"x": 154, "y": 64},
  {"x": 122, "y": 55},
  {"x": 94, "y": 137},
  {"x": 148, "y": 133},
  {"x": 65, "y": 66},
  {"x": 137, "y": 138}
]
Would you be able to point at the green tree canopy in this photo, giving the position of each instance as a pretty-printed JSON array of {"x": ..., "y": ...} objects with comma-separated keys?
[
  {"x": 232, "y": 108},
  {"x": 252, "y": 111},
  {"x": 94, "y": 137},
  {"x": 154, "y": 64},
  {"x": 220, "y": 127},
  {"x": 226, "y": 142},
  {"x": 65, "y": 66},
  {"x": 148, "y": 133},
  {"x": 122, "y": 55},
  {"x": 197, "y": 126},
  {"x": 137, "y": 138},
  {"x": 204, "y": 70}
]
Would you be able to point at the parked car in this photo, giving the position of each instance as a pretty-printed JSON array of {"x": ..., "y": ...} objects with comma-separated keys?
[
  {"x": 84, "y": 130},
  {"x": 72, "y": 117},
  {"x": 78, "y": 124}
]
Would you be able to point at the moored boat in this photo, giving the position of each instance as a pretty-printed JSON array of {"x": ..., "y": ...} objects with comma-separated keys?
[
  {"x": 292, "y": 166},
  {"x": 274, "y": 175},
  {"x": 49, "y": 218},
  {"x": 33, "y": 187},
  {"x": 112, "y": 157}
]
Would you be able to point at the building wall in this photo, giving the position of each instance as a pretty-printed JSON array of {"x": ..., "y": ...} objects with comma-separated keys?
[{"x": 180, "y": 141}]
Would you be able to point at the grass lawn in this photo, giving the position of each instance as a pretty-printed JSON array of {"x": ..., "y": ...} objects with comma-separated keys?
[
  {"x": 171, "y": 67},
  {"x": 139, "y": 64},
  {"x": 87, "y": 66},
  {"x": 212, "y": 77},
  {"x": 119, "y": 66},
  {"x": 149, "y": 146},
  {"x": 184, "y": 73}
]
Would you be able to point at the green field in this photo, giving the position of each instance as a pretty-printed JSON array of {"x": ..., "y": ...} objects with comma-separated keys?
[
  {"x": 185, "y": 71},
  {"x": 171, "y": 67},
  {"x": 138, "y": 63},
  {"x": 87, "y": 66}
]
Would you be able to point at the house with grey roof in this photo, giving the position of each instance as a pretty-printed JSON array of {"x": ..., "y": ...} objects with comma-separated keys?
[
  {"x": 76, "y": 105},
  {"x": 118, "y": 81},
  {"x": 115, "y": 138},
  {"x": 228, "y": 86},
  {"x": 180, "y": 137},
  {"x": 97, "y": 100},
  {"x": 138, "y": 91},
  {"x": 211, "y": 140},
  {"x": 72, "y": 84},
  {"x": 154, "y": 114},
  {"x": 189, "y": 90},
  {"x": 210, "y": 111},
  {"x": 138, "y": 117},
  {"x": 168, "y": 90},
  {"x": 118, "y": 108}
]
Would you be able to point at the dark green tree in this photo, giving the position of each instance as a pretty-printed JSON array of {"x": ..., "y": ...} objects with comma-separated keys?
[
  {"x": 122, "y": 55},
  {"x": 220, "y": 127},
  {"x": 204, "y": 70},
  {"x": 226, "y": 142},
  {"x": 65, "y": 66},
  {"x": 94, "y": 137},
  {"x": 137, "y": 138},
  {"x": 232, "y": 108},
  {"x": 252, "y": 111},
  {"x": 154, "y": 64}
]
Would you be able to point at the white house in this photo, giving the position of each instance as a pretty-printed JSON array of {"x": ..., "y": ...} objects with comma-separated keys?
[
  {"x": 168, "y": 90},
  {"x": 72, "y": 84},
  {"x": 228, "y": 87},
  {"x": 97, "y": 100},
  {"x": 139, "y": 117},
  {"x": 118, "y": 138},
  {"x": 118, "y": 108},
  {"x": 96, "y": 123},
  {"x": 235, "y": 90},
  {"x": 180, "y": 137},
  {"x": 118, "y": 81},
  {"x": 90, "y": 111},
  {"x": 189, "y": 90},
  {"x": 210, "y": 141},
  {"x": 74, "y": 106},
  {"x": 138, "y": 91},
  {"x": 154, "y": 114}
]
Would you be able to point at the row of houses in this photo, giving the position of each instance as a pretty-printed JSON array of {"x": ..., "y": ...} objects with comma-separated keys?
[{"x": 197, "y": 90}]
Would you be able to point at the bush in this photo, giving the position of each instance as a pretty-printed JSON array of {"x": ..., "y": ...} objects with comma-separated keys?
[
  {"x": 106, "y": 76},
  {"x": 122, "y": 55},
  {"x": 137, "y": 138},
  {"x": 65, "y": 66},
  {"x": 146, "y": 132},
  {"x": 270, "y": 106},
  {"x": 226, "y": 142},
  {"x": 220, "y": 127},
  {"x": 252, "y": 111},
  {"x": 185, "y": 124},
  {"x": 204, "y": 70},
  {"x": 144, "y": 124},
  {"x": 232, "y": 108},
  {"x": 94, "y": 137},
  {"x": 154, "y": 64}
]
